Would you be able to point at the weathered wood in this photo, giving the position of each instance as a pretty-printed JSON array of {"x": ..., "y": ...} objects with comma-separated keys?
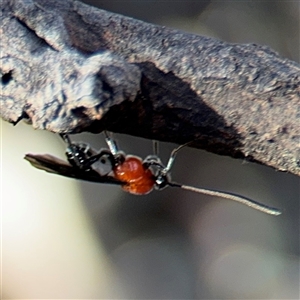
[{"x": 69, "y": 67}]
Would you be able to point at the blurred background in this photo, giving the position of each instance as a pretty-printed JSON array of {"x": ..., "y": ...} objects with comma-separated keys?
[{"x": 65, "y": 239}]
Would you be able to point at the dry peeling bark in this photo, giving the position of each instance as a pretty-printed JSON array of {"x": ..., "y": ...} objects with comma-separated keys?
[{"x": 69, "y": 67}]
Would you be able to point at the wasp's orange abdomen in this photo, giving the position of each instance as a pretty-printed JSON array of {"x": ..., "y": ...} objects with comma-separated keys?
[{"x": 139, "y": 179}]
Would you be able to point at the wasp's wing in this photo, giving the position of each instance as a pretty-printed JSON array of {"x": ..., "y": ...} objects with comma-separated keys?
[{"x": 58, "y": 166}]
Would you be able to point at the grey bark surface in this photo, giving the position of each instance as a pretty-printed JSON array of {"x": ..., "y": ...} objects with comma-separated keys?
[{"x": 68, "y": 67}]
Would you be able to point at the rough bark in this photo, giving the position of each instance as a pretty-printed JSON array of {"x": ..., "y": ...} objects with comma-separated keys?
[{"x": 68, "y": 67}]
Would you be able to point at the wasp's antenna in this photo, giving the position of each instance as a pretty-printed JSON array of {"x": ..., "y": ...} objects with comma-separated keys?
[{"x": 244, "y": 200}]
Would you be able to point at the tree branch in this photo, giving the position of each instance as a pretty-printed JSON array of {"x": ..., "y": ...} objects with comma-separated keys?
[{"x": 69, "y": 67}]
